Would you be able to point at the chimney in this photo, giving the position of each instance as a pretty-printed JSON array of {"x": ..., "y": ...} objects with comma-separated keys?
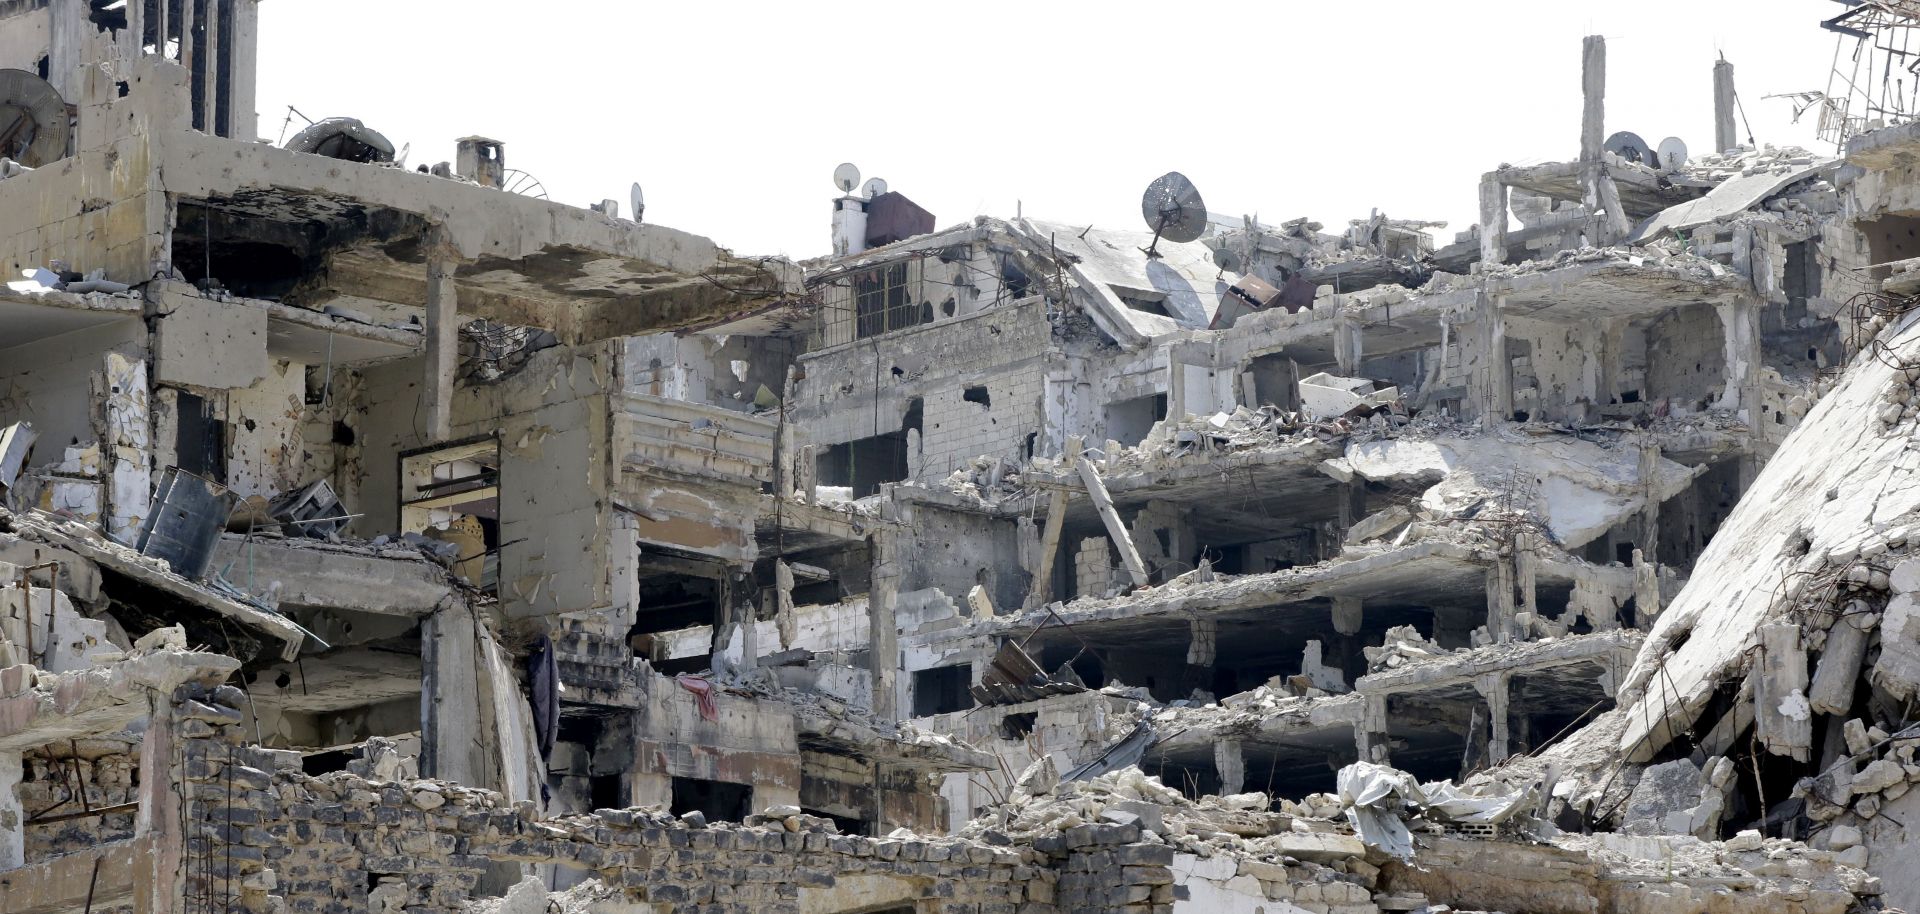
[
  {"x": 482, "y": 160},
  {"x": 849, "y": 225}
]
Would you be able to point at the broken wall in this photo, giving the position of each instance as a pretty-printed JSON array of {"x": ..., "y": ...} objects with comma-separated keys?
[
  {"x": 977, "y": 382},
  {"x": 51, "y": 383}
]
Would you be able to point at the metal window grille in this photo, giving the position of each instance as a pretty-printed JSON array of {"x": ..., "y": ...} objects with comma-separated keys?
[{"x": 876, "y": 301}]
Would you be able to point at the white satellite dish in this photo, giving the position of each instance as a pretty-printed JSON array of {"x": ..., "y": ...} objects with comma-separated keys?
[
  {"x": 874, "y": 188},
  {"x": 1672, "y": 153},
  {"x": 846, "y": 177},
  {"x": 639, "y": 202}
]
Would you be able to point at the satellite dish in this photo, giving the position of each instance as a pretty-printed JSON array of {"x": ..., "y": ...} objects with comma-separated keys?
[
  {"x": 874, "y": 187},
  {"x": 846, "y": 177},
  {"x": 1173, "y": 209},
  {"x": 1673, "y": 153},
  {"x": 639, "y": 202},
  {"x": 1631, "y": 147},
  {"x": 34, "y": 128}
]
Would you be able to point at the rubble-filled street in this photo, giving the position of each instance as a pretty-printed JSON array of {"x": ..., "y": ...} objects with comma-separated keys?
[{"x": 387, "y": 537}]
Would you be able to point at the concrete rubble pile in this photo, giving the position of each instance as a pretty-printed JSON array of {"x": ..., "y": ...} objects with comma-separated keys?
[{"x": 375, "y": 537}]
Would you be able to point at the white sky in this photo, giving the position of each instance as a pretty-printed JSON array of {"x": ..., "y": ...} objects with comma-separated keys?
[{"x": 733, "y": 115}]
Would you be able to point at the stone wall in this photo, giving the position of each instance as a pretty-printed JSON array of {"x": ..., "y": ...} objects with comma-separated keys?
[{"x": 262, "y": 836}]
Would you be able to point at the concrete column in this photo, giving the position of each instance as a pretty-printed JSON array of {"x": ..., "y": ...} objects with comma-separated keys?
[
  {"x": 1493, "y": 220},
  {"x": 161, "y": 28},
  {"x": 1740, "y": 328},
  {"x": 187, "y": 55},
  {"x": 1782, "y": 671},
  {"x": 1495, "y": 394},
  {"x": 1370, "y": 734},
  {"x": 1834, "y": 680},
  {"x": 1526, "y": 573},
  {"x": 450, "y": 720},
  {"x": 1593, "y": 113},
  {"x": 1646, "y": 590},
  {"x": 13, "y": 816},
  {"x": 1348, "y": 348},
  {"x": 882, "y": 604},
  {"x": 1649, "y": 538},
  {"x": 245, "y": 42},
  {"x": 443, "y": 334},
  {"x": 67, "y": 30},
  {"x": 159, "y": 887},
  {"x": 210, "y": 62},
  {"x": 1232, "y": 766},
  {"x": 1493, "y": 687},
  {"x": 1346, "y": 615},
  {"x": 1500, "y": 602},
  {"x": 1724, "y": 137},
  {"x": 136, "y": 29}
]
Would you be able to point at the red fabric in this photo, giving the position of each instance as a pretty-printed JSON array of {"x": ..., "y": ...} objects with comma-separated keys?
[{"x": 702, "y": 694}]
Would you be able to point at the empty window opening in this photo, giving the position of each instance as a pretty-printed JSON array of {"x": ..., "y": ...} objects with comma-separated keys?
[
  {"x": 864, "y": 465},
  {"x": 1129, "y": 421},
  {"x": 977, "y": 395},
  {"x": 1017, "y": 726},
  {"x": 200, "y": 438},
  {"x": 719, "y": 801},
  {"x": 942, "y": 690}
]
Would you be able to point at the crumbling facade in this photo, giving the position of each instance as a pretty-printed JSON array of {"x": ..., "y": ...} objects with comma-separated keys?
[{"x": 379, "y": 538}]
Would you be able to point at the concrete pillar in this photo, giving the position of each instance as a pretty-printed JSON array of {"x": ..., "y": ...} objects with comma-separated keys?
[
  {"x": 783, "y": 620},
  {"x": 1526, "y": 572},
  {"x": 159, "y": 886},
  {"x": 1348, "y": 347},
  {"x": 1724, "y": 137},
  {"x": 210, "y": 62},
  {"x": 451, "y": 735},
  {"x": 1593, "y": 111},
  {"x": 1649, "y": 538},
  {"x": 1500, "y": 602},
  {"x": 1834, "y": 679},
  {"x": 13, "y": 816},
  {"x": 882, "y": 605},
  {"x": 1782, "y": 672},
  {"x": 1493, "y": 220},
  {"x": 1494, "y": 395},
  {"x": 1346, "y": 615},
  {"x": 1646, "y": 590},
  {"x": 1740, "y": 329},
  {"x": 136, "y": 29},
  {"x": 1493, "y": 687},
  {"x": 67, "y": 30},
  {"x": 443, "y": 334},
  {"x": 187, "y": 55},
  {"x": 1370, "y": 734},
  {"x": 1231, "y": 764},
  {"x": 162, "y": 27},
  {"x": 245, "y": 42}
]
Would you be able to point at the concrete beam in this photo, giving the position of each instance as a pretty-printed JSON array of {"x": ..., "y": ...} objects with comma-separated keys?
[
  {"x": 312, "y": 574},
  {"x": 57, "y": 706},
  {"x": 102, "y": 876}
]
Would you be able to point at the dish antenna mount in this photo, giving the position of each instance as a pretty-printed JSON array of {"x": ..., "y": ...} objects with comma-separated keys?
[
  {"x": 874, "y": 187},
  {"x": 846, "y": 177},
  {"x": 639, "y": 202},
  {"x": 33, "y": 120},
  {"x": 1173, "y": 209}
]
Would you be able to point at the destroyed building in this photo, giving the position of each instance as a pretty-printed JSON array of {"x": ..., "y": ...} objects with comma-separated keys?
[{"x": 377, "y": 537}]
